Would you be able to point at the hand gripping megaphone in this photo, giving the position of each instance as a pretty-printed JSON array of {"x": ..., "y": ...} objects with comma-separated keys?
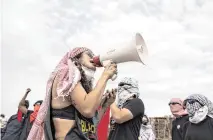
[{"x": 136, "y": 51}]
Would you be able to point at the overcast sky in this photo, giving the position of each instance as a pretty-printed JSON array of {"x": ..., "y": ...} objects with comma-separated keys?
[{"x": 178, "y": 34}]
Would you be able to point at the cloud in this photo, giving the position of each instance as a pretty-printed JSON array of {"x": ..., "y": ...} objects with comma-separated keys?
[{"x": 178, "y": 33}]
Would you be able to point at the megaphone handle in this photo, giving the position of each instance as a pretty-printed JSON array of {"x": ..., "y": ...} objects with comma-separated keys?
[{"x": 114, "y": 77}]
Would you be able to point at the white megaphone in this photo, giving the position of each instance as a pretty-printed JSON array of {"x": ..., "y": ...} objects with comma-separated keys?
[{"x": 136, "y": 51}]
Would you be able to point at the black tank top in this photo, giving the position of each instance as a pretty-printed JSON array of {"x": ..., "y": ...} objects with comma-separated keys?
[{"x": 64, "y": 113}]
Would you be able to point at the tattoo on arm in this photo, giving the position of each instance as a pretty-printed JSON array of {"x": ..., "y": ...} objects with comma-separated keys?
[
  {"x": 72, "y": 101},
  {"x": 85, "y": 97}
]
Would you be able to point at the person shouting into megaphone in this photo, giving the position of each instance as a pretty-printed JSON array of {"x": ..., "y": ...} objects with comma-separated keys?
[{"x": 71, "y": 102}]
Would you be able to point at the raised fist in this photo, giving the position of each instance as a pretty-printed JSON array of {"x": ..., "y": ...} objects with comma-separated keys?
[{"x": 28, "y": 90}]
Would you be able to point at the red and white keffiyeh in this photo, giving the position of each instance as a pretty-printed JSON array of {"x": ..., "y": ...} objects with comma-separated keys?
[{"x": 68, "y": 76}]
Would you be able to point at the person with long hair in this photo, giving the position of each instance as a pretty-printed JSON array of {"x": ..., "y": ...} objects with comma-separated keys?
[{"x": 69, "y": 110}]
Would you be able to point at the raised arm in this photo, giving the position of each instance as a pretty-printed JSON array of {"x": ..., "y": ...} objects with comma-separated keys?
[
  {"x": 22, "y": 106},
  {"x": 135, "y": 107},
  {"x": 87, "y": 104}
]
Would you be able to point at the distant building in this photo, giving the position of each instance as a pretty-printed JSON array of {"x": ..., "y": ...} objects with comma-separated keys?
[{"x": 162, "y": 127}]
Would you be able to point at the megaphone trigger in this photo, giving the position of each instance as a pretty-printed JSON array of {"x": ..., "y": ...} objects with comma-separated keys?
[{"x": 114, "y": 77}]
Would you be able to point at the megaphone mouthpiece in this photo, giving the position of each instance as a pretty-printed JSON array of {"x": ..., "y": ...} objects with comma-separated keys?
[{"x": 97, "y": 62}]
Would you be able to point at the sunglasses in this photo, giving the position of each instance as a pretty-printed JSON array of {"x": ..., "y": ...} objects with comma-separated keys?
[
  {"x": 122, "y": 84},
  {"x": 174, "y": 103},
  {"x": 191, "y": 101}
]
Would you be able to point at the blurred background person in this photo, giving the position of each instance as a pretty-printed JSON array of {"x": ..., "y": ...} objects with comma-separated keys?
[
  {"x": 180, "y": 118},
  {"x": 200, "y": 125},
  {"x": 3, "y": 121},
  {"x": 146, "y": 131},
  {"x": 19, "y": 125},
  {"x": 15, "y": 123}
]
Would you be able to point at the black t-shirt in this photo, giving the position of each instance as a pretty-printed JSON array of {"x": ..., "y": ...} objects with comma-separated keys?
[
  {"x": 16, "y": 130},
  {"x": 200, "y": 131},
  {"x": 27, "y": 125},
  {"x": 177, "y": 127},
  {"x": 84, "y": 129},
  {"x": 129, "y": 130}
]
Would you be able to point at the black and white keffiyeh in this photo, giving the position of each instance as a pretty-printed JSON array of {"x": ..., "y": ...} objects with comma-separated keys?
[
  {"x": 127, "y": 88},
  {"x": 199, "y": 110}
]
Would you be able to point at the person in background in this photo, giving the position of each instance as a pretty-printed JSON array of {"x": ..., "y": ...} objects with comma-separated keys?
[
  {"x": 23, "y": 108},
  {"x": 3, "y": 121},
  {"x": 146, "y": 132},
  {"x": 24, "y": 104},
  {"x": 180, "y": 118},
  {"x": 127, "y": 111},
  {"x": 200, "y": 125},
  {"x": 19, "y": 124},
  {"x": 28, "y": 116},
  {"x": 15, "y": 123}
]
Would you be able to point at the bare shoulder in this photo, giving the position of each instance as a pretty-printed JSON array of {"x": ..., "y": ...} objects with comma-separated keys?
[
  {"x": 78, "y": 94},
  {"x": 78, "y": 97},
  {"x": 58, "y": 103}
]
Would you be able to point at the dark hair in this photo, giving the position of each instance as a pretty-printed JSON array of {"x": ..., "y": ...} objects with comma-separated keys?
[
  {"x": 145, "y": 122},
  {"x": 27, "y": 104},
  {"x": 87, "y": 85},
  {"x": 38, "y": 102},
  {"x": 2, "y": 115}
]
